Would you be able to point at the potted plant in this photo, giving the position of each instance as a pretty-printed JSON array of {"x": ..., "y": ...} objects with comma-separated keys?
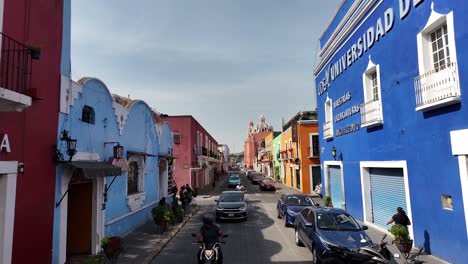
[
  {"x": 112, "y": 247},
  {"x": 169, "y": 217},
  {"x": 177, "y": 210},
  {"x": 402, "y": 239},
  {"x": 327, "y": 201},
  {"x": 158, "y": 213}
]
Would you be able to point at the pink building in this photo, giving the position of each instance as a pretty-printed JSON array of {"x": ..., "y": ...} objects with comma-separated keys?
[{"x": 197, "y": 161}]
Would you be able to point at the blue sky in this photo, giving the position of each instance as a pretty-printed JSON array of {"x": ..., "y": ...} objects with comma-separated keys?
[{"x": 223, "y": 61}]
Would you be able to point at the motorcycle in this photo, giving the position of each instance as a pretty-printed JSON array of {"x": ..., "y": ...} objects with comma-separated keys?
[
  {"x": 371, "y": 254},
  {"x": 209, "y": 251}
]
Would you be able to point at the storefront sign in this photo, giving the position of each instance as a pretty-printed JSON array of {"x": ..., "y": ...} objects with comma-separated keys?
[
  {"x": 347, "y": 129},
  {"x": 343, "y": 99},
  {"x": 372, "y": 35},
  {"x": 4, "y": 143},
  {"x": 347, "y": 113}
]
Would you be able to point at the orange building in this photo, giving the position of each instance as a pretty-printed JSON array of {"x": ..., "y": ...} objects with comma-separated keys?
[{"x": 300, "y": 152}]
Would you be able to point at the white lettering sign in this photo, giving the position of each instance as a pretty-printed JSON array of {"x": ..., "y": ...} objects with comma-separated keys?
[
  {"x": 373, "y": 34},
  {"x": 5, "y": 144}
]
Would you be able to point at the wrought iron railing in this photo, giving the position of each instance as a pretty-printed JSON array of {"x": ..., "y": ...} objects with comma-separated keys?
[
  {"x": 371, "y": 113},
  {"x": 437, "y": 84},
  {"x": 328, "y": 129},
  {"x": 15, "y": 65},
  {"x": 204, "y": 151}
]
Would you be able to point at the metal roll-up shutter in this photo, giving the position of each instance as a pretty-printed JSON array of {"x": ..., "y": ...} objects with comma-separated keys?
[
  {"x": 387, "y": 193},
  {"x": 336, "y": 194}
]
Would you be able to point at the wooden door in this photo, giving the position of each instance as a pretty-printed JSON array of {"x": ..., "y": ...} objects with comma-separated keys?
[{"x": 79, "y": 219}]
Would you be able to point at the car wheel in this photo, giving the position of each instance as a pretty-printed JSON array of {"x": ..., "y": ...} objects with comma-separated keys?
[
  {"x": 278, "y": 213},
  {"x": 297, "y": 239}
]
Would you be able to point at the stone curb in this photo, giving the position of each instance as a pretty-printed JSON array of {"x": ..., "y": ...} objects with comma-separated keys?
[{"x": 172, "y": 234}]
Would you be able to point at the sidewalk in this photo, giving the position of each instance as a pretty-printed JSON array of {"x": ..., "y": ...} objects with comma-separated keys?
[
  {"x": 376, "y": 235},
  {"x": 144, "y": 243}
]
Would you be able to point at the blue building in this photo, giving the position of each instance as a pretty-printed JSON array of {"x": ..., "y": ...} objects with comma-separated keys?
[
  {"x": 391, "y": 87},
  {"x": 119, "y": 172}
]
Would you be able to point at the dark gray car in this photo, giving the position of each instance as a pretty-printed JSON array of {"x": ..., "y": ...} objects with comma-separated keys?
[{"x": 231, "y": 205}]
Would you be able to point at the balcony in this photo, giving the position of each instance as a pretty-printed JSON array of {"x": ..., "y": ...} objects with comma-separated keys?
[
  {"x": 204, "y": 151},
  {"x": 328, "y": 130},
  {"x": 371, "y": 114},
  {"x": 15, "y": 75},
  {"x": 437, "y": 88}
]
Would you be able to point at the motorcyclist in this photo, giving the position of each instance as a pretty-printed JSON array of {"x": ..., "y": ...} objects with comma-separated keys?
[
  {"x": 210, "y": 233},
  {"x": 240, "y": 187}
]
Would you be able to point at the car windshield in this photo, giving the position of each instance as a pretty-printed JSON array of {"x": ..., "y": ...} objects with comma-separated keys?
[
  {"x": 337, "y": 222},
  {"x": 231, "y": 197},
  {"x": 299, "y": 200},
  {"x": 267, "y": 180},
  {"x": 234, "y": 178}
]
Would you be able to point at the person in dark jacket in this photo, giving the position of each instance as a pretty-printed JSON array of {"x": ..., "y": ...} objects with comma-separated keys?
[
  {"x": 400, "y": 218},
  {"x": 210, "y": 233}
]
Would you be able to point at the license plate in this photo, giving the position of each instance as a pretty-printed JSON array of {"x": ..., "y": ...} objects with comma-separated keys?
[{"x": 231, "y": 215}]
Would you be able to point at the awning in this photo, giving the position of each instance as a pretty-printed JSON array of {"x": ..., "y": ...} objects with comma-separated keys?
[
  {"x": 93, "y": 169},
  {"x": 138, "y": 153}
]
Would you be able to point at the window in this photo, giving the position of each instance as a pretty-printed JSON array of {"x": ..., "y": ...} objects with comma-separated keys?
[
  {"x": 87, "y": 114},
  {"x": 314, "y": 145},
  {"x": 311, "y": 217},
  {"x": 371, "y": 109},
  {"x": 328, "y": 125},
  {"x": 437, "y": 84},
  {"x": 440, "y": 48},
  {"x": 447, "y": 202},
  {"x": 132, "y": 179},
  {"x": 176, "y": 138}
]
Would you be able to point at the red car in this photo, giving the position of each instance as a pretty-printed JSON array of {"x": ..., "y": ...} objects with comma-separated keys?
[{"x": 267, "y": 184}]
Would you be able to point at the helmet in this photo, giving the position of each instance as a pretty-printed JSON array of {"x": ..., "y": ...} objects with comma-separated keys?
[{"x": 207, "y": 219}]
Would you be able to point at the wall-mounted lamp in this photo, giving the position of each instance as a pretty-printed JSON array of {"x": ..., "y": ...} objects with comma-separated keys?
[
  {"x": 71, "y": 147},
  {"x": 118, "y": 150},
  {"x": 333, "y": 152}
]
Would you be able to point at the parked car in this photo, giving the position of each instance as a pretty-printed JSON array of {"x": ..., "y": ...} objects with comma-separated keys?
[
  {"x": 290, "y": 205},
  {"x": 324, "y": 227},
  {"x": 257, "y": 178},
  {"x": 267, "y": 184},
  {"x": 231, "y": 205},
  {"x": 233, "y": 180},
  {"x": 250, "y": 173}
]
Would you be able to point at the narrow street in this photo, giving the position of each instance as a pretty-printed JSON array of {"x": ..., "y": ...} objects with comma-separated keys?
[{"x": 261, "y": 239}]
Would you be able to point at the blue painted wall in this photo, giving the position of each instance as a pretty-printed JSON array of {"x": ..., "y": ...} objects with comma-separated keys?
[
  {"x": 139, "y": 134},
  {"x": 422, "y": 139}
]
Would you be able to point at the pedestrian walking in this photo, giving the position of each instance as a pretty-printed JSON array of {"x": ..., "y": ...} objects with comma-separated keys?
[{"x": 400, "y": 218}]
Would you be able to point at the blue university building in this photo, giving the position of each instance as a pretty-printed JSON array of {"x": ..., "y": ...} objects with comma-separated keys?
[{"x": 392, "y": 89}]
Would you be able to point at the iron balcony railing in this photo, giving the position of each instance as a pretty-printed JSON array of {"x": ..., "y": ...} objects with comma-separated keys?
[
  {"x": 15, "y": 65},
  {"x": 371, "y": 113},
  {"x": 204, "y": 151},
  {"x": 436, "y": 85},
  {"x": 328, "y": 130}
]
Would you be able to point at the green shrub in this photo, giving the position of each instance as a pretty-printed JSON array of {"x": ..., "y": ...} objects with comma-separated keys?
[
  {"x": 158, "y": 211},
  {"x": 400, "y": 233},
  {"x": 96, "y": 259},
  {"x": 327, "y": 201},
  {"x": 169, "y": 217}
]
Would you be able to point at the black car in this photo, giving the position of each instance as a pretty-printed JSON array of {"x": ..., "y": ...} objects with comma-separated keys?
[
  {"x": 231, "y": 205},
  {"x": 322, "y": 229}
]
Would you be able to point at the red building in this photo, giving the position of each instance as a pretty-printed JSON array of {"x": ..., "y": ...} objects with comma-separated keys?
[
  {"x": 30, "y": 71},
  {"x": 197, "y": 161}
]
